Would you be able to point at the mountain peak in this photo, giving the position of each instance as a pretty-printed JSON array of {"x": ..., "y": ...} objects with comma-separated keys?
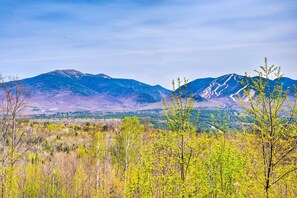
[
  {"x": 77, "y": 74},
  {"x": 72, "y": 73},
  {"x": 68, "y": 71},
  {"x": 103, "y": 76},
  {"x": 231, "y": 75}
]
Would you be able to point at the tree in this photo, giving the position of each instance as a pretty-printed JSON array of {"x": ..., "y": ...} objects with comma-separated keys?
[
  {"x": 178, "y": 114},
  {"x": 224, "y": 171},
  {"x": 272, "y": 117},
  {"x": 98, "y": 152},
  {"x": 127, "y": 140},
  {"x": 13, "y": 96},
  {"x": 225, "y": 162},
  {"x": 12, "y": 102},
  {"x": 32, "y": 180}
]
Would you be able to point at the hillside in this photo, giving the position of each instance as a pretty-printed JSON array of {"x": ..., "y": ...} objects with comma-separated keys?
[{"x": 71, "y": 90}]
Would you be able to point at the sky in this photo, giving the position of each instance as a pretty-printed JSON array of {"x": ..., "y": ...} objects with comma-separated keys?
[{"x": 153, "y": 41}]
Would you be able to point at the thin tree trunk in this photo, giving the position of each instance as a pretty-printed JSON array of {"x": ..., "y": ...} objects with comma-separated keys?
[
  {"x": 182, "y": 170},
  {"x": 97, "y": 167}
]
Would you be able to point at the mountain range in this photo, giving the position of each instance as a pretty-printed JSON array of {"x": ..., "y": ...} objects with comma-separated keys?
[{"x": 71, "y": 90}]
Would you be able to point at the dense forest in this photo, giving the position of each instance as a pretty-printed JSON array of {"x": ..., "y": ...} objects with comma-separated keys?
[{"x": 132, "y": 158}]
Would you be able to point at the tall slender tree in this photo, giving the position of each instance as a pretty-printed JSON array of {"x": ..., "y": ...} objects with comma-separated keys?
[
  {"x": 13, "y": 95},
  {"x": 179, "y": 115},
  {"x": 272, "y": 117},
  {"x": 127, "y": 142}
]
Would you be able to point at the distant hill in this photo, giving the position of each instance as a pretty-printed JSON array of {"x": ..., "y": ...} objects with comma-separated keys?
[
  {"x": 228, "y": 87},
  {"x": 71, "y": 90}
]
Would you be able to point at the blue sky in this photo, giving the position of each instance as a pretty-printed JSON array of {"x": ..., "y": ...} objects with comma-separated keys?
[{"x": 153, "y": 41}]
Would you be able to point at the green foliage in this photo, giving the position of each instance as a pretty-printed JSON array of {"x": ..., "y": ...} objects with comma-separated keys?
[
  {"x": 52, "y": 183},
  {"x": 11, "y": 186},
  {"x": 32, "y": 186},
  {"x": 273, "y": 121},
  {"x": 81, "y": 151},
  {"x": 224, "y": 173},
  {"x": 79, "y": 181},
  {"x": 126, "y": 141},
  {"x": 178, "y": 111},
  {"x": 178, "y": 116},
  {"x": 147, "y": 163}
]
